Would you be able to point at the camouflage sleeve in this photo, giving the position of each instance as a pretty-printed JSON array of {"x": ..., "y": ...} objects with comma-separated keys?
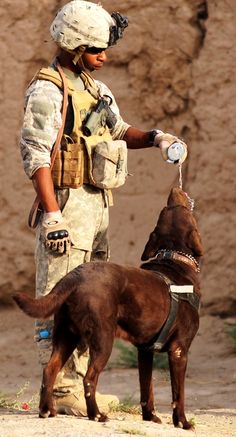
[
  {"x": 42, "y": 120},
  {"x": 120, "y": 127}
]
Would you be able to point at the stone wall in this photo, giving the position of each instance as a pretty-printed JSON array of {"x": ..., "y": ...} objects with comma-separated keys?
[{"x": 175, "y": 70}]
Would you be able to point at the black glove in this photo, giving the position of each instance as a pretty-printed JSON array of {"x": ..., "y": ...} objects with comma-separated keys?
[{"x": 56, "y": 233}]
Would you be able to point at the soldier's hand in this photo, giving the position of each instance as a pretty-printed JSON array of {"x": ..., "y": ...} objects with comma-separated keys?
[
  {"x": 56, "y": 232},
  {"x": 173, "y": 149}
]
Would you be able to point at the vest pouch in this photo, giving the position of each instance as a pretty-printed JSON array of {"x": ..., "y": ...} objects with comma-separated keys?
[
  {"x": 68, "y": 168},
  {"x": 57, "y": 170},
  {"x": 109, "y": 164}
]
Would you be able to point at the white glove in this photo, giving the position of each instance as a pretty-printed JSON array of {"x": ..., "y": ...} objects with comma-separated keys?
[
  {"x": 55, "y": 232},
  {"x": 173, "y": 149}
]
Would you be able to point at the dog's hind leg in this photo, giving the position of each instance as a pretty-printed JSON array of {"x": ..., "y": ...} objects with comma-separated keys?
[
  {"x": 62, "y": 350},
  {"x": 145, "y": 362},
  {"x": 178, "y": 364},
  {"x": 100, "y": 350}
]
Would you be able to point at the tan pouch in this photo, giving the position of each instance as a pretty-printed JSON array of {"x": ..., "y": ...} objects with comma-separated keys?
[
  {"x": 68, "y": 168},
  {"x": 108, "y": 164}
]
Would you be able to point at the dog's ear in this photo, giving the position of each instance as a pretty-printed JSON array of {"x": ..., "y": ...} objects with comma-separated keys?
[
  {"x": 194, "y": 242},
  {"x": 156, "y": 236},
  {"x": 150, "y": 248}
]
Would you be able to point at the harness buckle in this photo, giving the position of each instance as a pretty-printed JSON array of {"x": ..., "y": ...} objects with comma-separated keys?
[{"x": 167, "y": 254}]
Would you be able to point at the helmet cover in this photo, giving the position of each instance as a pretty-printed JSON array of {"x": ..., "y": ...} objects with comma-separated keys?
[{"x": 83, "y": 23}]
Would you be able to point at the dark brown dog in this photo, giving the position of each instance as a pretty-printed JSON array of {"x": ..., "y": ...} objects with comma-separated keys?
[{"x": 98, "y": 301}]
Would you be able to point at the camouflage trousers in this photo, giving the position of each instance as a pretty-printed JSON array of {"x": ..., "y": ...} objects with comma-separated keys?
[{"x": 87, "y": 214}]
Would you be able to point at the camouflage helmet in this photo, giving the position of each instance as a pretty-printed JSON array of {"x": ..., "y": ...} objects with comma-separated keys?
[{"x": 83, "y": 23}]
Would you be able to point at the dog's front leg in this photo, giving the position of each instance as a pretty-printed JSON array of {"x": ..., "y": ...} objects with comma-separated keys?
[
  {"x": 145, "y": 362},
  {"x": 178, "y": 364}
]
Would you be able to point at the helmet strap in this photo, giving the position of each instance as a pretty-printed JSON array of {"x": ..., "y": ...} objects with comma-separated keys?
[{"x": 78, "y": 53}]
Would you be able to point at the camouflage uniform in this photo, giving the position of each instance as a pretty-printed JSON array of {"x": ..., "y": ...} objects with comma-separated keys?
[{"x": 85, "y": 209}]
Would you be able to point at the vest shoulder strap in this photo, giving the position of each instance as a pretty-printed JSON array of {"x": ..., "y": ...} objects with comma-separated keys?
[
  {"x": 53, "y": 76},
  {"x": 48, "y": 73}
]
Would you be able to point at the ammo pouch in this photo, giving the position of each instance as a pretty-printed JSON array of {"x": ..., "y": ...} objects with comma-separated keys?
[
  {"x": 108, "y": 164},
  {"x": 68, "y": 167}
]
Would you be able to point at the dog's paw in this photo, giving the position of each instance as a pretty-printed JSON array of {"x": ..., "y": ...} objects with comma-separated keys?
[
  {"x": 53, "y": 413},
  {"x": 100, "y": 417},
  {"x": 151, "y": 417},
  {"x": 185, "y": 425},
  {"x": 44, "y": 414},
  {"x": 156, "y": 419}
]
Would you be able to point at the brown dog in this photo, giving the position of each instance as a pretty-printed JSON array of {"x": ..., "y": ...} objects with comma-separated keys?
[{"x": 98, "y": 301}]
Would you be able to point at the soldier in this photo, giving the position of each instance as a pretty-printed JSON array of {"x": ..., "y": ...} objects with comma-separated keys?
[{"x": 73, "y": 195}]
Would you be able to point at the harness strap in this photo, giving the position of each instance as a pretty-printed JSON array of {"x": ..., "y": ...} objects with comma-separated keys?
[
  {"x": 191, "y": 298},
  {"x": 159, "y": 343},
  {"x": 156, "y": 344}
]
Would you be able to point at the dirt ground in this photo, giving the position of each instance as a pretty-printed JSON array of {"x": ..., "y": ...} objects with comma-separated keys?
[{"x": 210, "y": 388}]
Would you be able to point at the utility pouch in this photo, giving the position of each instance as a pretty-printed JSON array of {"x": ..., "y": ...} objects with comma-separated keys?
[
  {"x": 108, "y": 163},
  {"x": 68, "y": 168}
]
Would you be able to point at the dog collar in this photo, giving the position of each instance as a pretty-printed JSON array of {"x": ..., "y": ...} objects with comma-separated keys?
[{"x": 178, "y": 256}]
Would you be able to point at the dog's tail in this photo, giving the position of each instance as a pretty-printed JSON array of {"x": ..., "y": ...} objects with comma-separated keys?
[{"x": 46, "y": 306}]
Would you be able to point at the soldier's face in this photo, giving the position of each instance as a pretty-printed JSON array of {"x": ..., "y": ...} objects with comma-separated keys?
[{"x": 94, "y": 58}]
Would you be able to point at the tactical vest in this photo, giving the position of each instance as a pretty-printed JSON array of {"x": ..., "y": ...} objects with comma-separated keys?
[{"x": 72, "y": 166}]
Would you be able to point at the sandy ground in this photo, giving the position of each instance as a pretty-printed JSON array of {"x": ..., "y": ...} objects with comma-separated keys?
[{"x": 210, "y": 388}]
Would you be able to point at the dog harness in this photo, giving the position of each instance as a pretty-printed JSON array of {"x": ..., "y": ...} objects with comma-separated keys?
[{"x": 157, "y": 342}]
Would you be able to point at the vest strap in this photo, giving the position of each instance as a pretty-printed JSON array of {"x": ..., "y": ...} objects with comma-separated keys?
[{"x": 37, "y": 209}]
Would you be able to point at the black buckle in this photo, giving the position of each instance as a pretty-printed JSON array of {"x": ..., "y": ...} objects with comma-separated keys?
[{"x": 167, "y": 254}]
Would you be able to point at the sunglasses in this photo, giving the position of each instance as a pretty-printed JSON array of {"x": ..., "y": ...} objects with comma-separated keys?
[{"x": 94, "y": 50}]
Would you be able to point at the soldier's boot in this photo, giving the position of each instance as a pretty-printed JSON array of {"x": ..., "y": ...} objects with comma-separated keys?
[
  {"x": 68, "y": 392},
  {"x": 74, "y": 404}
]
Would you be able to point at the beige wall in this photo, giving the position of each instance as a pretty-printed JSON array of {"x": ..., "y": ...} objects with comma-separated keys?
[{"x": 174, "y": 70}]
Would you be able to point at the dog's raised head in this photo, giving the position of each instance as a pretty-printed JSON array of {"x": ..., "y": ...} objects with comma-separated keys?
[{"x": 176, "y": 228}]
